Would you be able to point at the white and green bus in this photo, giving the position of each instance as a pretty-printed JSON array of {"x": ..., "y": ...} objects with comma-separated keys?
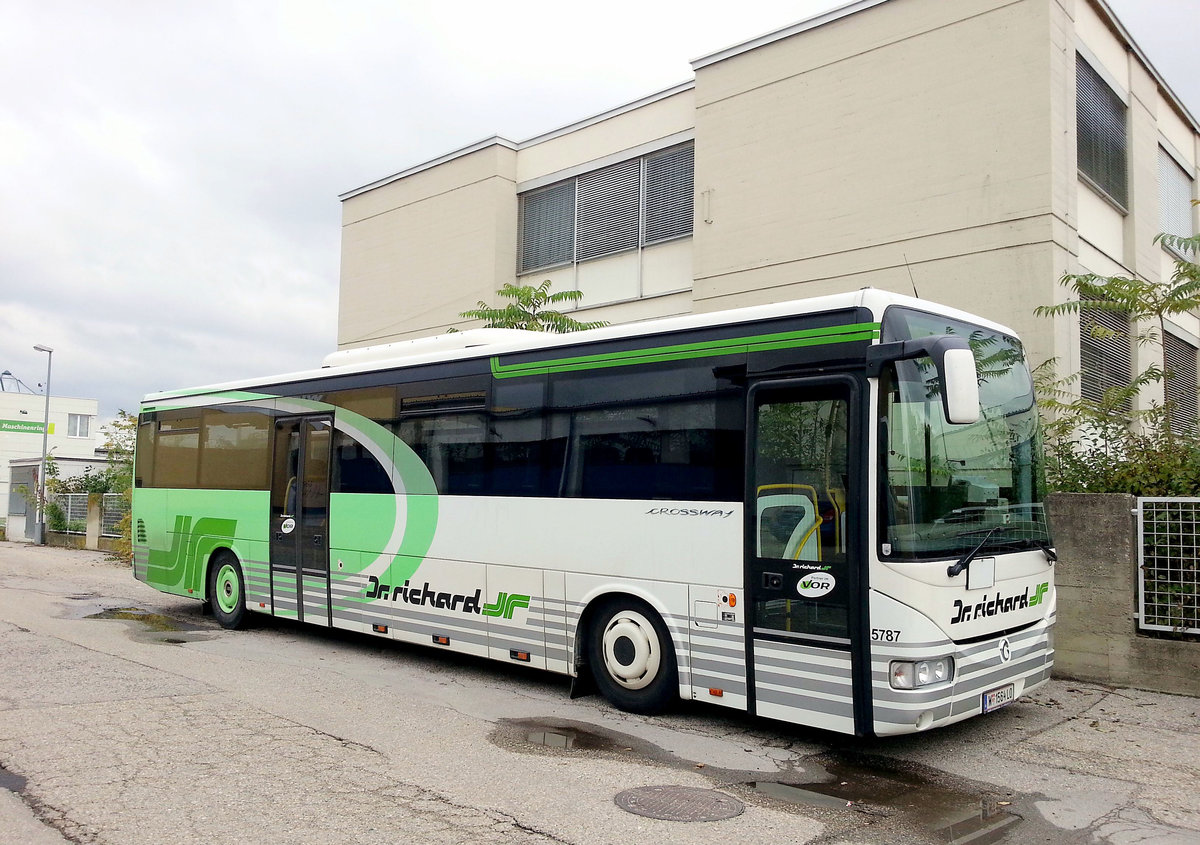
[{"x": 825, "y": 511}]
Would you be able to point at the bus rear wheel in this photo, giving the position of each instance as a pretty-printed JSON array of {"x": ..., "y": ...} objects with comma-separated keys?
[
  {"x": 631, "y": 657},
  {"x": 227, "y": 591}
]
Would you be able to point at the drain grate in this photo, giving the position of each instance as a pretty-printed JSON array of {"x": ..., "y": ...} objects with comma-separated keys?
[{"x": 679, "y": 803}]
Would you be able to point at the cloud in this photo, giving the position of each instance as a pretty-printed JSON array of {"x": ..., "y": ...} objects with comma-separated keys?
[{"x": 171, "y": 170}]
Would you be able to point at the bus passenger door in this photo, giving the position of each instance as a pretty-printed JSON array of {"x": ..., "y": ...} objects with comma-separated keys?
[
  {"x": 803, "y": 576},
  {"x": 300, "y": 519}
]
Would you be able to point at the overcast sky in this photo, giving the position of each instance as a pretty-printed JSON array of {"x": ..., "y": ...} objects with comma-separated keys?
[{"x": 169, "y": 212}]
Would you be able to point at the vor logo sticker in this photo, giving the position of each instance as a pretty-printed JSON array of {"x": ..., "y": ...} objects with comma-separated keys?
[{"x": 816, "y": 584}]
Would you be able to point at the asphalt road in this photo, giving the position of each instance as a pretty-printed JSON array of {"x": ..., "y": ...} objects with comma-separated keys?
[{"x": 157, "y": 726}]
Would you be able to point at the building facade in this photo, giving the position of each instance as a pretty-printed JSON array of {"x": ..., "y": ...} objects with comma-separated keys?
[
  {"x": 72, "y": 442},
  {"x": 969, "y": 152}
]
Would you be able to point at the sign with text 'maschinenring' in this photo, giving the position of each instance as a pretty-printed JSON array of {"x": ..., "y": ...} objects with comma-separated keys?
[{"x": 23, "y": 427}]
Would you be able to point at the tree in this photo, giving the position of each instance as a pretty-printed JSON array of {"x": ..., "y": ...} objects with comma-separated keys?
[
  {"x": 119, "y": 438},
  {"x": 1101, "y": 446},
  {"x": 527, "y": 310}
]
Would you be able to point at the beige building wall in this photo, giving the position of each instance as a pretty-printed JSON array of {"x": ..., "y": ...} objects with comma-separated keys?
[
  {"x": 910, "y": 145},
  {"x": 906, "y": 146},
  {"x": 418, "y": 250}
]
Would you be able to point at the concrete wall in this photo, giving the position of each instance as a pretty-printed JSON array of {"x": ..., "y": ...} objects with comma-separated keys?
[{"x": 1096, "y": 636}]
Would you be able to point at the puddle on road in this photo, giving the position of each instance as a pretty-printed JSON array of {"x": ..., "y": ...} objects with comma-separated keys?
[
  {"x": 881, "y": 787},
  {"x": 153, "y": 621},
  {"x": 570, "y": 739},
  {"x": 153, "y": 626},
  {"x": 909, "y": 796},
  {"x": 565, "y": 735},
  {"x": 10, "y": 781}
]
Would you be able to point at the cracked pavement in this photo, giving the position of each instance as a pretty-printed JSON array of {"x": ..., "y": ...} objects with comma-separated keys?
[{"x": 114, "y": 731}]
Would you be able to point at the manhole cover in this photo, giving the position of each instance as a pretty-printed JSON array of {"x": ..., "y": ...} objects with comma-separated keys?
[{"x": 679, "y": 803}]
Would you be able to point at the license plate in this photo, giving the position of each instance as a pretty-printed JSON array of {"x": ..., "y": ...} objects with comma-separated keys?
[{"x": 997, "y": 698}]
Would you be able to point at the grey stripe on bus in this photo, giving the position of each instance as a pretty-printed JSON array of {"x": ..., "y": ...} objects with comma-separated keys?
[
  {"x": 971, "y": 673},
  {"x": 717, "y": 651},
  {"x": 722, "y": 669},
  {"x": 733, "y": 686},
  {"x": 838, "y": 707},
  {"x": 448, "y": 623},
  {"x": 999, "y": 676},
  {"x": 816, "y": 637},
  {"x": 738, "y": 638},
  {"x": 803, "y": 684},
  {"x": 429, "y": 631},
  {"x": 795, "y": 652},
  {"x": 885, "y": 715},
  {"x": 964, "y": 666}
]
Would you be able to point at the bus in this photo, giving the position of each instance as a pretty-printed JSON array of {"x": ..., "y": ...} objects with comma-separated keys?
[{"x": 827, "y": 511}]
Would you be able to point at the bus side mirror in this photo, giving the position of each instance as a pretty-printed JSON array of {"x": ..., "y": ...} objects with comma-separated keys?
[
  {"x": 960, "y": 386},
  {"x": 955, "y": 364}
]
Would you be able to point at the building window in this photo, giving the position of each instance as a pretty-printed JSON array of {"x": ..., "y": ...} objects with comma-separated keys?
[
  {"x": 78, "y": 425},
  {"x": 1175, "y": 192},
  {"x": 1105, "y": 355},
  {"x": 548, "y": 226},
  {"x": 1100, "y": 132},
  {"x": 618, "y": 208},
  {"x": 1182, "y": 384}
]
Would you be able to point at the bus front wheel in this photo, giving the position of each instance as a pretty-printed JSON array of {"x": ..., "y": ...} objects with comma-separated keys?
[
  {"x": 631, "y": 657},
  {"x": 227, "y": 591}
]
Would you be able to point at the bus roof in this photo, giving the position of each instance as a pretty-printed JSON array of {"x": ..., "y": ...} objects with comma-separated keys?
[{"x": 478, "y": 343}]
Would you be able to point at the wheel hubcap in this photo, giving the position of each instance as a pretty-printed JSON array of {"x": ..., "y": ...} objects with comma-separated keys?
[
  {"x": 227, "y": 589},
  {"x": 632, "y": 653}
]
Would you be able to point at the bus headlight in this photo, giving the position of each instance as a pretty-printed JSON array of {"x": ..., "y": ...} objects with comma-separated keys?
[{"x": 911, "y": 675}]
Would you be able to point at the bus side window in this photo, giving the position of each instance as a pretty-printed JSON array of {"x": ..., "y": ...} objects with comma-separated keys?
[{"x": 355, "y": 470}]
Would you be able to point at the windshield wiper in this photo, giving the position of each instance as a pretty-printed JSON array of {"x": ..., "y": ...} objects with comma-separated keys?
[{"x": 963, "y": 562}]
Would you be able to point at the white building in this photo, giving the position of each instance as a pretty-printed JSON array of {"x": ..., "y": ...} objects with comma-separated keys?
[
  {"x": 972, "y": 151},
  {"x": 72, "y": 441}
]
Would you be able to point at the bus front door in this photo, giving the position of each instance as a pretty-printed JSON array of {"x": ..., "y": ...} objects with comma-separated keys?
[
  {"x": 300, "y": 519},
  {"x": 803, "y": 517}
]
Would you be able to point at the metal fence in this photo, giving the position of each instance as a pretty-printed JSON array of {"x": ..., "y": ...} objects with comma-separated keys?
[
  {"x": 1168, "y": 576},
  {"x": 113, "y": 508},
  {"x": 74, "y": 507}
]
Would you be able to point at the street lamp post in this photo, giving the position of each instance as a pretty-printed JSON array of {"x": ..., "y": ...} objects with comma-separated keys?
[{"x": 39, "y": 530}]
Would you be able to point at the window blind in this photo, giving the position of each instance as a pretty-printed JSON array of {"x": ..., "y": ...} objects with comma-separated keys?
[
  {"x": 1100, "y": 132},
  {"x": 1105, "y": 362},
  {"x": 669, "y": 194},
  {"x": 1182, "y": 383},
  {"x": 547, "y": 224},
  {"x": 1174, "y": 197},
  {"x": 609, "y": 210}
]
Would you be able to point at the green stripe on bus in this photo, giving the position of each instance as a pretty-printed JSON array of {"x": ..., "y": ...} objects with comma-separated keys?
[{"x": 700, "y": 349}]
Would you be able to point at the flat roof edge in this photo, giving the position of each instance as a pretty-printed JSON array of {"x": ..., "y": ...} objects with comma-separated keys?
[
  {"x": 498, "y": 140},
  {"x": 494, "y": 141},
  {"x": 1110, "y": 17},
  {"x": 787, "y": 32}
]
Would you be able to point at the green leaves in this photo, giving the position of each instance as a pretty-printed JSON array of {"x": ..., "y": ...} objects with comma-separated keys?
[
  {"x": 528, "y": 310},
  {"x": 1102, "y": 446}
]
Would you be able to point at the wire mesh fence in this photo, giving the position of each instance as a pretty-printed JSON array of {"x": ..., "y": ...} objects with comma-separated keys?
[
  {"x": 113, "y": 508},
  {"x": 73, "y": 508},
  {"x": 1168, "y": 576}
]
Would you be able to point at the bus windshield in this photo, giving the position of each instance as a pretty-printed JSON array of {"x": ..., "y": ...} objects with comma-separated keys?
[{"x": 947, "y": 489}]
